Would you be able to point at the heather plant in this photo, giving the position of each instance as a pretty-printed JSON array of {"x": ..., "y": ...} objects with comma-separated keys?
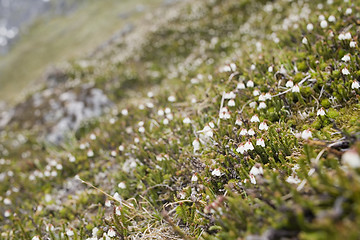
[{"x": 234, "y": 120}]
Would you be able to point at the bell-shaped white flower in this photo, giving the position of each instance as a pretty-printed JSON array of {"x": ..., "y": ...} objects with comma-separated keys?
[
  {"x": 249, "y": 146},
  {"x": 216, "y": 172},
  {"x": 295, "y": 89},
  {"x": 321, "y": 112},
  {"x": 345, "y": 71},
  {"x": 351, "y": 158},
  {"x": 241, "y": 148},
  {"x": 260, "y": 142},
  {"x": 289, "y": 84},
  {"x": 263, "y": 126},
  {"x": 306, "y": 134},
  {"x": 355, "y": 85},
  {"x": 256, "y": 170},
  {"x": 255, "y": 118}
]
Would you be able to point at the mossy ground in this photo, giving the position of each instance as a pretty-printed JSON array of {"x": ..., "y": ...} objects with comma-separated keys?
[{"x": 172, "y": 160}]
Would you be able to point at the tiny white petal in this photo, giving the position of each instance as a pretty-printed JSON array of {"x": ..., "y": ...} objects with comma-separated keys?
[{"x": 216, "y": 172}]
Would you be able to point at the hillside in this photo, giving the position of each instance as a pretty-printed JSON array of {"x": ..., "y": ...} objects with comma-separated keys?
[
  {"x": 68, "y": 31},
  {"x": 214, "y": 119}
]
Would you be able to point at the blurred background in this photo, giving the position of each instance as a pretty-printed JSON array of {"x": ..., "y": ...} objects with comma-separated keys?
[{"x": 36, "y": 34}]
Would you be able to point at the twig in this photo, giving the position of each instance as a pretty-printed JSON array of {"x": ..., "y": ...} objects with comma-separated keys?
[
  {"x": 103, "y": 192},
  {"x": 221, "y": 106},
  {"x": 300, "y": 83}
]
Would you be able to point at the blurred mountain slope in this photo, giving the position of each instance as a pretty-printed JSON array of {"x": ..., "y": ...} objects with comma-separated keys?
[{"x": 65, "y": 37}]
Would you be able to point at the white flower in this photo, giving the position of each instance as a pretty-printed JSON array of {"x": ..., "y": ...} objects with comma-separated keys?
[
  {"x": 263, "y": 126},
  {"x": 238, "y": 122},
  {"x": 295, "y": 89},
  {"x": 121, "y": 148},
  {"x": 252, "y": 67},
  {"x": 167, "y": 110},
  {"x": 309, "y": 27},
  {"x": 7, "y": 201},
  {"x": 346, "y": 58},
  {"x": 196, "y": 145},
  {"x": 355, "y": 85},
  {"x": 348, "y": 11},
  {"x": 262, "y": 97},
  {"x": 224, "y": 113},
  {"x": 160, "y": 112},
  {"x": 186, "y": 120},
  {"x": 141, "y": 129},
  {"x": 92, "y": 136},
  {"x": 69, "y": 232},
  {"x": 252, "y": 104},
  {"x": 94, "y": 231},
  {"x": 231, "y": 103},
  {"x": 240, "y": 85},
  {"x": 293, "y": 180},
  {"x": 90, "y": 153},
  {"x": 194, "y": 178},
  {"x": 49, "y": 227},
  {"x": 243, "y": 132},
  {"x": 35, "y": 238},
  {"x": 171, "y": 98},
  {"x": 241, "y": 148},
  {"x": 351, "y": 158},
  {"x": 124, "y": 112},
  {"x": 230, "y": 95},
  {"x": 345, "y": 71},
  {"x": 332, "y": 19},
  {"x": 255, "y": 118},
  {"x": 207, "y": 131},
  {"x": 82, "y": 146},
  {"x": 111, "y": 232},
  {"x": 251, "y": 132},
  {"x": 150, "y": 94},
  {"x": 71, "y": 158},
  {"x": 268, "y": 96},
  {"x": 248, "y": 146},
  {"x": 250, "y": 83},
  {"x": 321, "y": 112},
  {"x": 289, "y": 84},
  {"x": 233, "y": 67},
  {"x": 256, "y": 93},
  {"x": 113, "y": 153},
  {"x": 304, "y": 41},
  {"x": 306, "y": 134},
  {"x": 262, "y": 105},
  {"x": 165, "y": 121},
  {"x": 323, "y": 24},
  {"x": 260, "y": 142},
  {"x": 321, "y": 17},
  {"x": 225, "y": 69},
  {"x": 352, "y": 44},
  {"x": 122, "y": 185},
  {"x": 256, "y": 170},
  {"x": 117, "y": 197},
  {"x": 282, "y": 70},
  {"x": 118, "y": 210},
  {"x": 7, "y": 213},
  {"x": 216, "y": 172},
  {"x": 344, "y": 36},
  {"x": 270, "y": 69},
  {"x": 107, "y": 203},
  {"x": 252, "y": 179}
]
